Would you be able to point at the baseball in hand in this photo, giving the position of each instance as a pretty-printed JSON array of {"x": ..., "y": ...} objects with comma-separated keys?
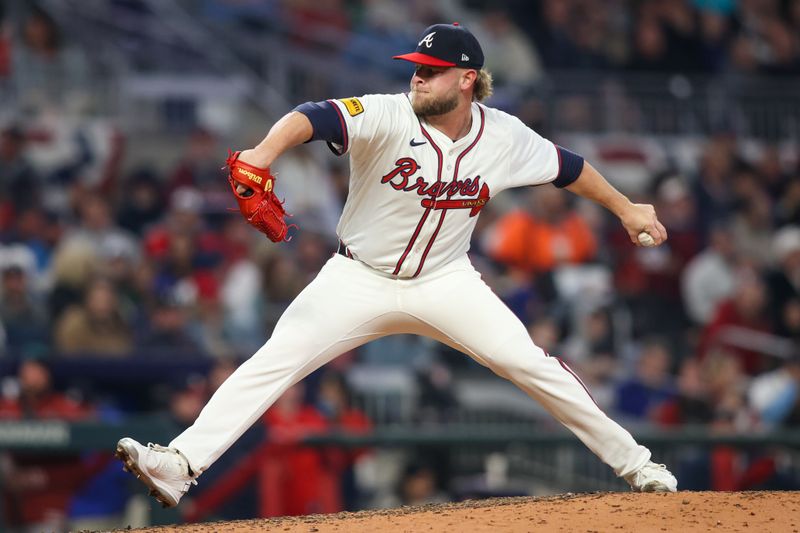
[{"x": 645, "y": 239}]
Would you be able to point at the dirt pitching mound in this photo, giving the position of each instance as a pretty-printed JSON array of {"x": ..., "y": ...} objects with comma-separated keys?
[{"x": 596, "y": 512}]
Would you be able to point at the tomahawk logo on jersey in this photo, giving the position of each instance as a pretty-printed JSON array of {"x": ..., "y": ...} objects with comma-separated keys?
[{"x": 414, "y": 193}]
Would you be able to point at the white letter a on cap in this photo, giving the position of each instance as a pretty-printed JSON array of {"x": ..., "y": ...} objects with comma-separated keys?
[{"x": 428, "y": 40}]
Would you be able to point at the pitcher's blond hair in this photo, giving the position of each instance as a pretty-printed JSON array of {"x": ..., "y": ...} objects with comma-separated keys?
[{"x": 483, "y": 86}]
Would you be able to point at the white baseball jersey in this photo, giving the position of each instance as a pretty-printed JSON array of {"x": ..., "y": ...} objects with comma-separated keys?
[{"x": 415, "y": 195}]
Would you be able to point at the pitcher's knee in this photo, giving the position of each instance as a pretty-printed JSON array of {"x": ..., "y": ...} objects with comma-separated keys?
[
  {"x": 530, "y": 360},
  {"x": 277, "y": 352}
]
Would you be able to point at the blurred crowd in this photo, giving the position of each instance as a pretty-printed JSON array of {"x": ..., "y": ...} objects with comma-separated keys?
[
  {"x": 521, "y": 39},
  {"x": 104, "y": 260}
]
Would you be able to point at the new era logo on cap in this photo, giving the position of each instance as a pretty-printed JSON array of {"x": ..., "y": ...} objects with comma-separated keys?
[{"x": 447, "y": 45}]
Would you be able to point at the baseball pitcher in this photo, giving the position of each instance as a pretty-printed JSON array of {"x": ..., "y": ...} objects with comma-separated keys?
[{"x": 422, "y": 166}]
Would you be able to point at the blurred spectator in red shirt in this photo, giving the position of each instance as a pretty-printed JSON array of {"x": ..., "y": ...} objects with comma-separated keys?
[
  {"x": 658, "y": 270},
  {"x": 335, "y": 404},
  {"x": 736, "y": 319},
  {"x": 38, "y": 488},
  {"x": 691, "y": 403},
  {"x": 302, "y": 477},
  {"x": 186, "y": 272},
  {"x": 184, "y": 217},
  {"x": 186, "y": 254},
  {"x": 185, "y": 251},
  {"x": 35, "y": 397}
]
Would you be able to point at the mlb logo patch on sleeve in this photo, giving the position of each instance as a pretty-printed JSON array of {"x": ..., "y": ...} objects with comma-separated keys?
[{"x": 353, "y": 106}]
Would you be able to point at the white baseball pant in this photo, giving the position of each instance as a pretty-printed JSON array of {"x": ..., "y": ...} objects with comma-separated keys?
[{"x": 349, "y": 304}]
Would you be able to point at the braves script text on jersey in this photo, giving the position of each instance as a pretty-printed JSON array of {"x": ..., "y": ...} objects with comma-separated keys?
[{"x": 414, "y": 199}]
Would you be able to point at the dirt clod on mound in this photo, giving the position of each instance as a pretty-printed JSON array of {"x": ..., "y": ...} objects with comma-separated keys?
[{"x": 681, "y": 511}]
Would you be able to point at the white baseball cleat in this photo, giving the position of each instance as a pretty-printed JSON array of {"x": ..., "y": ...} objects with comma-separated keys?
[
  {"x": 164, "y": 470},
  {"x": 652, "y": 477}
]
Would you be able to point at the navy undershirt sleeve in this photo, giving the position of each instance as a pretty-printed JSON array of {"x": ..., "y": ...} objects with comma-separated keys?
[
  {"x": 325, "y": 121},
  {"x": 570, "y": 166}
]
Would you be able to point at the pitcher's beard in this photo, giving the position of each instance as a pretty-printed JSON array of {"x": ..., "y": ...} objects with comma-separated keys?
[{"x": 432, "y": 107}]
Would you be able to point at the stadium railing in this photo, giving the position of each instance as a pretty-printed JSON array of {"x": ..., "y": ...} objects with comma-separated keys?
[{"x": 537, "y": 460}]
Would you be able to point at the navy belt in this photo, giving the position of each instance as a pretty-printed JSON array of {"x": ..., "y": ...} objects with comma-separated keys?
[{"x": 342, "y": 250}]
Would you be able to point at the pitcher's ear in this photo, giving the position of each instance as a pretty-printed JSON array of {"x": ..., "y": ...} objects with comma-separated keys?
[{"x": 468, "y": 78}]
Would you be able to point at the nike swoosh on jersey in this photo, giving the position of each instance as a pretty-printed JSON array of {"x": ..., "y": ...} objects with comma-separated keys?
[{"x": 414, "y": 143}]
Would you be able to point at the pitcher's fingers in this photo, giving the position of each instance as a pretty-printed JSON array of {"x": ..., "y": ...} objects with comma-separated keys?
[{"x": 662, "y": 230}]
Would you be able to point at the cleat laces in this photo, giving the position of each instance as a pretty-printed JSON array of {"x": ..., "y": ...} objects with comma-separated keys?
[{"x": 169, "y": 461}]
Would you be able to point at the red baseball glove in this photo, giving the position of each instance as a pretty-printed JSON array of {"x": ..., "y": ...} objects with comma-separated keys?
[{"x": 258, "y": 204}]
